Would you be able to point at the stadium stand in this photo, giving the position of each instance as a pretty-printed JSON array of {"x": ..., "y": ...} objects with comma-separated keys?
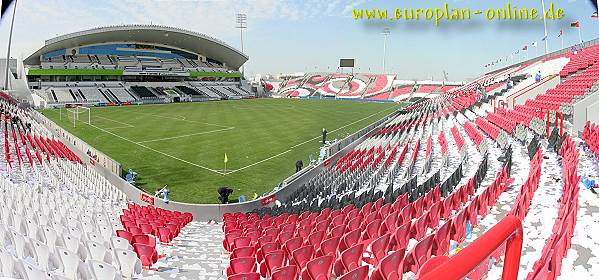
[
  {"x": 62, "y": 219},
  {"x": 381, "y": 210},
  {"x": 590, "y": 135},
  {"x": 423, "y": 189}
]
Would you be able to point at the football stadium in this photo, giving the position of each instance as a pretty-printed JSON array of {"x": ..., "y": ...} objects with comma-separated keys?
[{"x": 170, "y": 151}]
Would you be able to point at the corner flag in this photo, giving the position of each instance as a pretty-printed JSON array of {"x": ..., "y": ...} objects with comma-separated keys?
[{"x": 226, "y": 158}]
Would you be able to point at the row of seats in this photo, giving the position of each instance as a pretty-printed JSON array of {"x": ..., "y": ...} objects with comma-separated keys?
[
  {"x": 144, "y": 224},
  {"x": 506, "y": 124},
  {"x": 60, "y": 219},
  {"x": 473, "y": 133},
  {"x": 548, "y": 266},
  {"x": 582, "y": 59},
  {"x": 346, "y": 234},
  {"x": 590, "y": 135}
]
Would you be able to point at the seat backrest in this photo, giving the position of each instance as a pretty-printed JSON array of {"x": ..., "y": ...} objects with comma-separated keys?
[
  {"x": 69, "y": 262},
  {"x": 329, "y": 246},
  {"x": 120, "y": 243},
  {"x": 337, "y": 231},
  {"x": 243, "y": 265},
  {"x": 7, "y": 263},
  {"x": 145, "y": 239},
  {"x": 50, "y": 235},
  {"x": 239, "y": 252},
  {"x": 402, "y": 236},
  {"x": 96, "y": 251},
  {"x": 31, "y": 272},
  {"x": 71, "y": 242},
  {"x": 352, "y": 257},
  {"x": 242, "y": 241},
  {"x": 129, "y": 264},
  {"x": 293, "y": 244},
  {"x": 379, "y": 246},
  {"x": 302, "y": 255},
  {"x": 422, "y": 250},
  {"x": 360, "y": 273},
  {"x": 351, "y": 238},
  {"x": 320, "y": 268},
  {"x": 391, "y": 266},
  {"x": 101, "y": 270},
  {"x": 315, "y": 238},
  {"x": 274, "y": 260},
  {"x": 245, "y": 276},
  {"x": 42, "y": 253},
  {"x": 124, "y": 234},
  {"x": 289, "y": 272},
  {"x": 145, "y": 253}
]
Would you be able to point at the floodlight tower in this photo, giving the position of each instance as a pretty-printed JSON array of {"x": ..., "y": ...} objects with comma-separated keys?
[
  {"x": 241, "y": 25},
  {"x": 12, "y": 23},
  {"x": 385, "y": 33}
]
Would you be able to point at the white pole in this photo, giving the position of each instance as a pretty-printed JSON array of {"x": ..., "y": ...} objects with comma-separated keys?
[
  {"x": 562, "y": 36},
  {"x": 14, "y": 11},
  {"x": 545, "y": 27},
  {"x": 384, "y": 52},
  {"x": 386, "y": 33}
]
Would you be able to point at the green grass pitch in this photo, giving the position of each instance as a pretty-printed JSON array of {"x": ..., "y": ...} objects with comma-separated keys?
[{"x": 183, "y": 145}]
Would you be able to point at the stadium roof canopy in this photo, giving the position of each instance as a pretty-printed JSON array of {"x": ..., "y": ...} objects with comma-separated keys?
[{"x": 164, "y": 35}]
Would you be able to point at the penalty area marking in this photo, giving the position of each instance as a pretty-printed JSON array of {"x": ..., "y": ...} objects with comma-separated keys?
[
  {"x": 186, "y": 135},
  {"x": 180, "y": 118},
  {"x": 126, "y": 124},
  {"x": 302, "y": 143},
  {"x": 156, "y": 151}
]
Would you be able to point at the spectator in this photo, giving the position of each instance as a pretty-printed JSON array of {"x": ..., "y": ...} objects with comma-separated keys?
[
  {"x": 224, "y": 193},
  {"x": 165, "y": 193},
  {"x": 538, "y": 76},
  {"x": 299, "y": 164}
]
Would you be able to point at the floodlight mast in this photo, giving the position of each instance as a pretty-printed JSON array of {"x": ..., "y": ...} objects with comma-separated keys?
[
  {"x": 385, "y": 33},
  {"x": 12, "y": 23},
  {"x": 241, "y": 25}
]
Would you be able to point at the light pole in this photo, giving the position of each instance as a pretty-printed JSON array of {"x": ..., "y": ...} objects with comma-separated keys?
[
  {"x": 12, "y": 23},
  {"x": 241, "y": 25},
  {"x": 385, "y": 33},
  {"x": 545, "y": 28}
]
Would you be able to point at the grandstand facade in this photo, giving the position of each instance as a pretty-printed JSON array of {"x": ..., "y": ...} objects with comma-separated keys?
[
  {"x": 363, "y": 86},
  {"x": 135, "y": 64}
]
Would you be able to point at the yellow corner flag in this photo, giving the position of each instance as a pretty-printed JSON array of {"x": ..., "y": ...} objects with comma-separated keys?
[{"x": 226, "y": 159}]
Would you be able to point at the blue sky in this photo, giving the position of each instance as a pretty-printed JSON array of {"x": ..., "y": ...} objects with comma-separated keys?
[{"x": 296, "y": 36}]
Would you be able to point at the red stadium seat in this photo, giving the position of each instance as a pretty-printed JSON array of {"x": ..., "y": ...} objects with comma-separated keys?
[
  {"x": 390, "y": 267},
  {"x": 245, "y": 276},
  {"x": 241, "y": 265},
  {"x": 302, "y": 255},
  {"x": 360, "y": 273},
  {"x": 318, "y": 268},
  {"x": 289, "y": 272}
]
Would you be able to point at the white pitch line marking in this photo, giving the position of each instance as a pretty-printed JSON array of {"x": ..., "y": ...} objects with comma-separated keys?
[
  {"x": 128, "y": 125},
  {"x": 156, "y": 151},
  {"x": 181, "y": 118},
  {"x": 117, "y": 127},
  {"x": 302, "y": 143},
  {"x": 186, "y": 135}
]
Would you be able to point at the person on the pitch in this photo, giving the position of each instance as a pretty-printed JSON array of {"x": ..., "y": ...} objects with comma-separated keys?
[
  {"x": 299, "y": 164},
  {"x": 324, "y": 135}
]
